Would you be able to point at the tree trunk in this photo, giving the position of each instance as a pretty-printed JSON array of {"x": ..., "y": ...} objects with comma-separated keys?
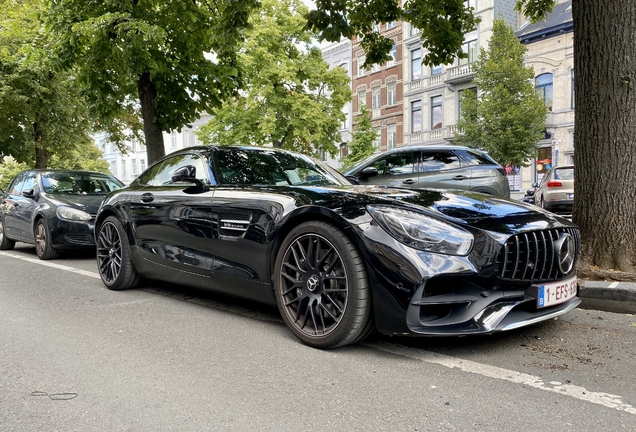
[
  {"x": 152, "y": 131},
  {"x": 41, "y": 153},
  {"x": 605, "y": 131}
]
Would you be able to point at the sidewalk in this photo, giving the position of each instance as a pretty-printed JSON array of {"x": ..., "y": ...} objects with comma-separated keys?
[{"x": 617, "y": 297}]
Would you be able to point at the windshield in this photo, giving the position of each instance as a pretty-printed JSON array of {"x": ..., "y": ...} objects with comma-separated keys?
[
  {"x": 268, "y": 167},
  {"x": 69, "y": 183}
]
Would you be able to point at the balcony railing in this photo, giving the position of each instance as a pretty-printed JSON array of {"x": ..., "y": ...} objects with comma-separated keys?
[{"x": 448, "y": 133}]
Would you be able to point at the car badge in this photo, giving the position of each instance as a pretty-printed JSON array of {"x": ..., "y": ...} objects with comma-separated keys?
[
  {"x": 312, "y": 283},
  {"x": 565, "y": 252}
]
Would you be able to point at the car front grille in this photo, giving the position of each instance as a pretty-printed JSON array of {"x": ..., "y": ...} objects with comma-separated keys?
[{"x": 532, "y": 256}]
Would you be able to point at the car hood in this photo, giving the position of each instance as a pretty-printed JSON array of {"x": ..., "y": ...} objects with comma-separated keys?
[
  {"x": 87, "y": 203},
  {"x": 468, "y": 208}
]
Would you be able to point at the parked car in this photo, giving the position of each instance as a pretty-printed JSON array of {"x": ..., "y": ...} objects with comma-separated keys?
[
  {"x": 437, "y": 167},
  {"x": 53, "y": 209},
  {"x": 339, "y": 260},
  {"x": 556, "y": 190}
]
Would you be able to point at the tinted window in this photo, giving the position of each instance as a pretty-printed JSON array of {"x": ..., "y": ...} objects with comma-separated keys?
[
  {"x": 401, "y": 163},
  {"x": 475, "y": 157},
  {"x": 438, "y": 161},
  {"x": 30, "y": 182},
  {"x": 82, "y": 183},
  {"x": 161, "y": 174},
  {"x": 564, "y": 173},
  {"x": 256, "y": 167},
  {"x": 16, "y": 185}
]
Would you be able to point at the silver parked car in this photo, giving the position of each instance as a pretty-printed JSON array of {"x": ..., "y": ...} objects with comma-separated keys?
[
  {"x": 433, "y": 167},
  {"x": 556, "y": 190}
]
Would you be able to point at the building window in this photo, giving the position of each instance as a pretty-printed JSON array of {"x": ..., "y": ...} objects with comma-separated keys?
[
  {"x": 391, "y": 95},
  {"x": 343, "y": 150},
  {"x": 376, "y": 99},
  {"x": 416, "y": 116},
  {"x": 376, "y": 27},
  {"x": 416, "y": 64},
  {"x": 469, "y": 4},
  {"x": 391, "y": 137},
  {"x": 142, "y": 162},
  {"x": 362, "y": 99},
  {"x": 173, "y": 142},
  {"x": 572, "y": 92},
  {"x": 134, "y": 166},
  {"x": 134, "y": 146},
  {"x": 186, "y": 137},
  {"x": 393, "y": 54},
  {"x": 345, "y": 122},
  {"x": 361, "y": 69},
  {"x": 469, "y": 47},
  {"x": 414, "y": 31},
  {"x": 436, "y": 70},
  {"x": 376, "y": 141},
  {"x": 460, "y": 95},
  {"x": 436, "y": 112},
  {"x": 390, "y": 25},
  {"x": 543, "y": 87},
  {"x": 123, "y": 169},
  {"x": 344, "y": 66},
  {"x": 375, "y": 67}
]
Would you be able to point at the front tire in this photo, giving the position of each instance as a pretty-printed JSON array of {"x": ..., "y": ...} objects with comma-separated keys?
[
  {"x": 114, "y": 262},
  {"x": 43, "y": 247},
  {"x": 5, "y": 242},
  {"x": 321, "y": 287}
]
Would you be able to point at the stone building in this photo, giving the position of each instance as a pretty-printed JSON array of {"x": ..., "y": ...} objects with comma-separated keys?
[{"x": 550, "y": 51}]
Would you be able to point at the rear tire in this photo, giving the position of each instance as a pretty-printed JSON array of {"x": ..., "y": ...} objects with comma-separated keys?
[
  {"x": 5, "y": 242},
  {"x": 114, "y": 262},
  {"x": 322, "y": 288},
  {"x": 43, "y": 247}
]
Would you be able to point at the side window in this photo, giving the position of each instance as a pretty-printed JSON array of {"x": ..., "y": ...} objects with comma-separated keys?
[
  {"x": 439, "y": 161},
  {"x": 161, "y": 174},
  {"x": 395, "y": 165},
  {"x": 30, "y": 182},
  {"x": 474, "y": 157},
  {"x": 16, "y": 186}
]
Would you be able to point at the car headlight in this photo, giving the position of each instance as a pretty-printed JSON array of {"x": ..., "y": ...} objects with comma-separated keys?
[
  {"x": 70, "y": 213},
  {"x": 422, "y": 232}
]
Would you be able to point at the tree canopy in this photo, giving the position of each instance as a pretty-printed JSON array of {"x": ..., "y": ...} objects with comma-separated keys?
[
  {"x": 171, "y": 60},
  {"x": 504, "y": 116},
  {"x": 43, "y": 110},
  {"x": 290, "y": 98}
]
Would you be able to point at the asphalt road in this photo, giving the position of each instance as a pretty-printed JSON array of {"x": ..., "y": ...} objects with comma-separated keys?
[{"x": 75, "y": 356}]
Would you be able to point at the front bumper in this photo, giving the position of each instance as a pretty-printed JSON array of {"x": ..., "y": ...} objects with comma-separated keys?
[{"x": 72, "y": 234}]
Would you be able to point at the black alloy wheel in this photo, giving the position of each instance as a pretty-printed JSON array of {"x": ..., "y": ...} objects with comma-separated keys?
[
  {"x": 5, "y": 242},
  {"x": 321, "y": 287},
  {"x": 113, "y": 256},
  {"x": 43, "y": 247}
]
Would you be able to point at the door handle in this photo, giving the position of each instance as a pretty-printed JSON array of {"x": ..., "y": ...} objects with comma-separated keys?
[
  {"x": 409, "y": 181},
  {"x": 147, "y": 197},
  {"x": 460, "y": 177}
]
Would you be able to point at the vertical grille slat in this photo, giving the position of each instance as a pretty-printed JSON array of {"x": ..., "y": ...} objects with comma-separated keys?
[{"x": 530, "y": 256}]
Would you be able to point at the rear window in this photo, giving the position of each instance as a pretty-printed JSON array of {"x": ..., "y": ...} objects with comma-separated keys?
[
  {"x": 476, "y": 157},
  {"x": 564, "y": 173}
]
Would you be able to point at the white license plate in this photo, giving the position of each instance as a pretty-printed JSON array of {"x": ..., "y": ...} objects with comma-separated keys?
[
  {"x": 570, "y": 196},
  {"x": 557, "y": 292}
]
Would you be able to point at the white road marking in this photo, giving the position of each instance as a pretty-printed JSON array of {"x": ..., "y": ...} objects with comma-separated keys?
[
  {"x": 577, "y": 392},
  {"x": 51, "y": 264},
  {"x": 613, "y": 285}
]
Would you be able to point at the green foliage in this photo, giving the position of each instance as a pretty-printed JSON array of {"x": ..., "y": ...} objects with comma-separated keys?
[
  {"x": 9, "y": 167},
  {"x": 43, "y": 110},
  {"x": 361, "y": 146},
  {"x": 442, "y": 25},
  {"x": 507, "y": 118},
  {"x": 170, "y": 59},
  {"x": 536, "y": 10},
  {"x": 83, "y": 157},
  {"x": 290, "y": 98}
]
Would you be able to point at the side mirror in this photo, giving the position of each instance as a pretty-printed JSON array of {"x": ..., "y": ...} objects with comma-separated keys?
[
  {"x": 353, "y": 179},
  {"x": 369, "y": 172},
  {"x": 187, "y": 173},
  {"x": 29, "y": 193}
]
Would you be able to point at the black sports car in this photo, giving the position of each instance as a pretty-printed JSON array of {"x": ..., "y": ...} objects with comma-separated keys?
[
  {"x": 53, "y": 209},
  {"x": 339, "y": 260}
]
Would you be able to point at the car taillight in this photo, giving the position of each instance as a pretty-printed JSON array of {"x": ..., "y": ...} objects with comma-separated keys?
[
  {"x": 502, "y": 170},
  {"x": 554, "y": 184}
]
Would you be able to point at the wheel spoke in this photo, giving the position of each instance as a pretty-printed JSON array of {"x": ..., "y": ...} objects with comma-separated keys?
[
  {"x": 333, "y": 302},
  {"x": 328, "y": 312}
]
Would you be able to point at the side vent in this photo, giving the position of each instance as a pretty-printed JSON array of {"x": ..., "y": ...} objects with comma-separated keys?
[{"x": 234, "y": 225}]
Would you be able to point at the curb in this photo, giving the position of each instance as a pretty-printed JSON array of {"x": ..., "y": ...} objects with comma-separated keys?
[{"x": 617, "y": 297}]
